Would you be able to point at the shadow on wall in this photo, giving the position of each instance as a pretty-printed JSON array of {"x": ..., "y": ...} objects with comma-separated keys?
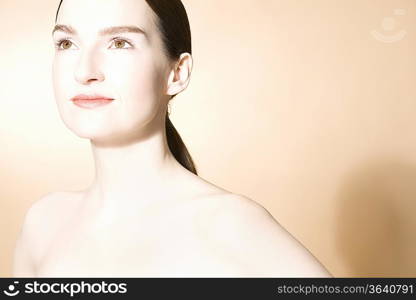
[{"x": 376, "y": 227}]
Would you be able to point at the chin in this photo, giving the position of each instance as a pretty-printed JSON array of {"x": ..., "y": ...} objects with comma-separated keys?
[
  {"x": 105, "y": 137},
  {"x": 90, "y": 132}
]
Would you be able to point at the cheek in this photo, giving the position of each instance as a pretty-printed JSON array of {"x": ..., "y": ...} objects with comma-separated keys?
[
  {"x": 136, "y": 79},
  {"x": 61, "y": 79}
]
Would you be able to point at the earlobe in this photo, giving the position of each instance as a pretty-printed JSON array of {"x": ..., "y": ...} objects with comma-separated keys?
[{"x": 180, "y": 75}]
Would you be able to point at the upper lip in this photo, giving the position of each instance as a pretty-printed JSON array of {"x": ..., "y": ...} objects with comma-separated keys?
[{"x": 90, "y": 97}]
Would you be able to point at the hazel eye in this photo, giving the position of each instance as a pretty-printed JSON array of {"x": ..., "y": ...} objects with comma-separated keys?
[
  {"x": 120, "y": 44},
  {"x": 64, "y": 44}
]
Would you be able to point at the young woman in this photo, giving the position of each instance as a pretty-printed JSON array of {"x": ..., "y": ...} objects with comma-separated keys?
[{"x": 147, "y": 213}]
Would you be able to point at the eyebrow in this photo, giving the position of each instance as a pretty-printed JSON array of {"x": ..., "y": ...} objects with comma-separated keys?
[{"x": 105, "y": 31}]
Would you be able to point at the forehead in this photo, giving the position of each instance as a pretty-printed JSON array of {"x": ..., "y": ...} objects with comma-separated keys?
[{"x": 92, "y": 15}]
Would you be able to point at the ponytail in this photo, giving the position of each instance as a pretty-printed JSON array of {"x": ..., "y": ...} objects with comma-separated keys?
[
  {"x": 178, "y": 148},
  {"x": 173, "y": 24}
]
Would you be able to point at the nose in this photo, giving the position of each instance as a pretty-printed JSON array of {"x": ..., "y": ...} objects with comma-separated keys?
[{"x": 88, "y": 69}]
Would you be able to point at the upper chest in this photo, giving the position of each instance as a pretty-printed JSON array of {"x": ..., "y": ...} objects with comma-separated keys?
[{"x": 178, "y": 243}]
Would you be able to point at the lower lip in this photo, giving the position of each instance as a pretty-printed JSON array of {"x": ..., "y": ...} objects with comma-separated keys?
[{"x": 91, "y": 104}]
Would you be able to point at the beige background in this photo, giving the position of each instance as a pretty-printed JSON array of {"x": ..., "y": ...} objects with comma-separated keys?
[{"x": 303, "y": 106}]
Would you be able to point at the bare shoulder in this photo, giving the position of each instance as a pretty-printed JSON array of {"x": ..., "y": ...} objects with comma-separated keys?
[
  {"x": 257, "y": 241},
  {"x": 41, "y": 220},
  {"x": 50, "y": 210}
]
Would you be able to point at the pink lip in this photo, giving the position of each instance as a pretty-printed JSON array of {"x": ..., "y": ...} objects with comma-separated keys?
[
  {"x": 90, "y": 97},
  {"x": 91, "y": 101}
]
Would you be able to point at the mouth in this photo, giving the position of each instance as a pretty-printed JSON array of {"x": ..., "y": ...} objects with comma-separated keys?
[{"x": 91, "y": 101}]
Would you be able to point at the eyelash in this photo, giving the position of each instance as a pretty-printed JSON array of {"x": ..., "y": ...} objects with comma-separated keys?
[{"x": 60, "y": 41}]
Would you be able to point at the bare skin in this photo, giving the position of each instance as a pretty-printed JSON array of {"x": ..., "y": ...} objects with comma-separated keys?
[
  {"x": 209, "y": 233},
  {"x": 144, "y": 214},
  {"x": 165, "y": 239}
]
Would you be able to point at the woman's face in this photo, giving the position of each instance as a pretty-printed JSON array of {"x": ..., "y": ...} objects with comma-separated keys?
[{"x": 129, "y": 67}]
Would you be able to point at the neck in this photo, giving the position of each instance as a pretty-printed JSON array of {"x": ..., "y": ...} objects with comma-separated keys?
[{"x": 129, "y": 178}]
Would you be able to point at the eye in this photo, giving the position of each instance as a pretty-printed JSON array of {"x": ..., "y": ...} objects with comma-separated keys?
[
  {"x": 120, "y": 44},
  {"x": 64, "y": 43}
]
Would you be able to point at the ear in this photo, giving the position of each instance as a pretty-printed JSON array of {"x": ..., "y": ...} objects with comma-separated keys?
[{"x": 180, "y": 75}]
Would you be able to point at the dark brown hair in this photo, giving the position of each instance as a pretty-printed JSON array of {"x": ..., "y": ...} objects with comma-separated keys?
[{"x": 173, "y": 25}]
